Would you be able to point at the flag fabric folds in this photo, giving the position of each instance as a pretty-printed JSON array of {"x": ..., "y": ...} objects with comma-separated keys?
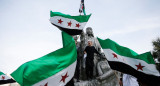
[
  {"x": 53, "y": 69},
  {"x": 127, "y": 61},
  {"x": 72, "y": 25},
  {"x": 4, "y": 79},
  {"x": 82, "y": 8}
]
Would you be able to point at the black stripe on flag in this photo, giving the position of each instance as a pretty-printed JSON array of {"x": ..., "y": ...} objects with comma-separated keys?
[
  {"x": 7, "y": 81},
  {"x": 142, "y": 77},
  {"x": 69, "y": 31}
]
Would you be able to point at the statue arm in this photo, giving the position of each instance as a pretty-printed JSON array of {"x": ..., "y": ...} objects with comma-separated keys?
[
  {"x": 99, "y": 49},
  {"x": 82, "y": 44},
  {"x": 82, "y": 38},
  {"x": 107, "y": 75},
  {"x": 98, "y": 45},
  {"x": 99, "y": 70},
  {"x": 96, "y": 52}
]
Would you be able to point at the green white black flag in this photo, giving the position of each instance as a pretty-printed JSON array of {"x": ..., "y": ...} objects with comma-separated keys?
[
  {"x": 72, "y": 25},
  {"x": 53, "y": 69},
  {"x": 127, "y": 61},
  {"x": 4, "y": 79}
]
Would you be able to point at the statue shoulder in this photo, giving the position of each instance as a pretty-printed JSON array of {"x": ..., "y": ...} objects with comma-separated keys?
[{"x": 99, "y": 63}]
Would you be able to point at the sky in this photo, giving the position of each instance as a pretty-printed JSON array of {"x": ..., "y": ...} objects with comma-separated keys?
[{"x": 27, "y": 34}]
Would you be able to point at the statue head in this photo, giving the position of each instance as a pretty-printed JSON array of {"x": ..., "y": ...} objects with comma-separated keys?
[
  {"x": 89, "y": 31},
  {"x": 75, "y": 39},
  {"x": 103, "y": 57}
]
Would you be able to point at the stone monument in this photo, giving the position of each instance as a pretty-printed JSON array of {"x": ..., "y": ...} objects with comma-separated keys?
[
  {"x": 102, "y": 73},
  {"x": 90, "y": 36},
  {"x": 106, "y": 76}
]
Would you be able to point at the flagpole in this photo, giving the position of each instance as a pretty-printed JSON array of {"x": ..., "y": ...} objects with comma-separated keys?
[{"x": 82, "y": 8}]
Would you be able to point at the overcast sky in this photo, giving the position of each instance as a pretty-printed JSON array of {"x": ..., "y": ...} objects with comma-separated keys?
[{"x": 26, "y": 33}]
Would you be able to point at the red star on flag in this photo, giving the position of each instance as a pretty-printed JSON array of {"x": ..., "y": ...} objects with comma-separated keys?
[
  {"x": 139, "y": 66},
  {"x": 46, "y": 84},
  {"x": 64, "y": 77},
  {"x": 77, "y": 25},
  {"x": 3, "y": 77},
  {"x": 114, "y": 55},
  {"x": 60, "y": 21},
  {"x": 69, "y": 23}
]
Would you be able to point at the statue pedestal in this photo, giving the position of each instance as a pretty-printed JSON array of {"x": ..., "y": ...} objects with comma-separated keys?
[{"x": 87, "y": 83}]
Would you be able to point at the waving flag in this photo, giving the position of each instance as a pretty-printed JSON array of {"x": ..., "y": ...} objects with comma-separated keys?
[
  {"x": 72, "y": 25},
  {"x": 4, "y": 79},
  {"x": 82, "y": 7},
  {"x": 127, "y": 61},
  {"x": 53, "y": 69}
]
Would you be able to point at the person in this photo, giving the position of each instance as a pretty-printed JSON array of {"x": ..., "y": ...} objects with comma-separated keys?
[
  {"x": 77, "y": 71},
  {"x": 129, "y": 80},
  {"x": 90, "y": 50},
  {"x": 106, "y": 76},
  {"x": 89, "y": 35}
]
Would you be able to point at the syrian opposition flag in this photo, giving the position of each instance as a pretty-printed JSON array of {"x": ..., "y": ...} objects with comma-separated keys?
[
  {"x": 82, "y": 7},
  {"x": 54, "y": 69},
  {"x": 4, "y": 79},
  {"x": 127, "y": 61},
  {"x": 72, "y": 25}
]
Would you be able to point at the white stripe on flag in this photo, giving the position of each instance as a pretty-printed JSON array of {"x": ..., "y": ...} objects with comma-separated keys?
[
  {"x": 148, "y": 69},
  {"x": 55, "y": 80},
  {"x": 64, "y": 24},
  {"x": 4, "y": 77}
]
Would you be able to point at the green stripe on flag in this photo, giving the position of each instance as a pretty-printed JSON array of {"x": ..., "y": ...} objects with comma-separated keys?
[
  {"x": 37, "y": 70},
  {"x": 124, "y": 51},
  {"x": 1, "y": 73},
  {"x": 82, "y": 18},
  {"x": 66, "y": 39}
]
